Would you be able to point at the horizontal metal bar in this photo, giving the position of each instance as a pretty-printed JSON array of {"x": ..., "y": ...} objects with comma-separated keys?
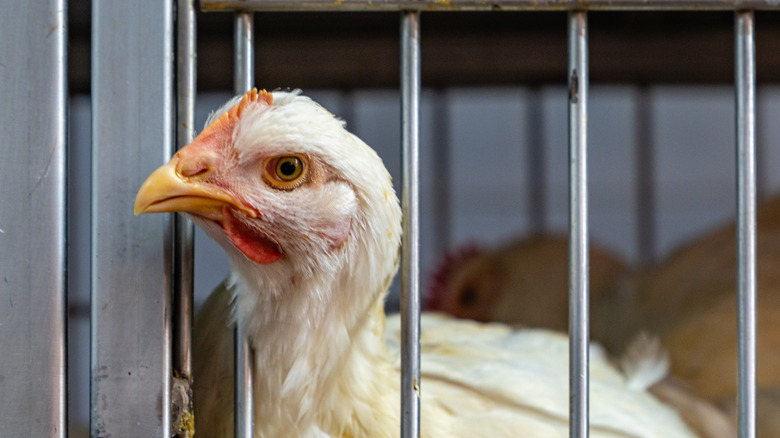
[
  {"x": 482, "y": 5},
  {"x": 32, "y": 219}
]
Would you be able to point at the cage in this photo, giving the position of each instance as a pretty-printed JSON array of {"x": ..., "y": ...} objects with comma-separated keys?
[{"x": 79, "y": 347}]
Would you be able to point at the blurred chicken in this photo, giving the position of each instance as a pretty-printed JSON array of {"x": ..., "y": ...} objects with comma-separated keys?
[
  {"x": 690, "y": 301},
  {"x": 307, "y": 214},
  {"x": 525, "y": 282}
]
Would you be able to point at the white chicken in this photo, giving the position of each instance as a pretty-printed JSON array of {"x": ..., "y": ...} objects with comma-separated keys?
[{"x": 307, "y": 214}]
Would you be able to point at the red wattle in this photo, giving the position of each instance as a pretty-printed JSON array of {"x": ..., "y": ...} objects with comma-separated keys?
[{"x": 255, "y": 247}]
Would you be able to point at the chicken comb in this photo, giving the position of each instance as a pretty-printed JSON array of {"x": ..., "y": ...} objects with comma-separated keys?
[
  {"x": 451, "y": 262},
  {"x": 231, "y": 116}
]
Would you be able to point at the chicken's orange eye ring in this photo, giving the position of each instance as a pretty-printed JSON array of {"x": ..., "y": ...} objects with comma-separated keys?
[{"x": 286, "y": 171}]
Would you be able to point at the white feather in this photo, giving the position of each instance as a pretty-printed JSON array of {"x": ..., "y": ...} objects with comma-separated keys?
[{"x": 645, "y": 362}]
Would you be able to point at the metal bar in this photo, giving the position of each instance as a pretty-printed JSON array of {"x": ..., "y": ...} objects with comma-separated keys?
[
  {"x": 132, "y": 134},
  {"x": 244, "y": 73},
  {"x": 483, "y": 5},
  {"x": 746, "y": 221},
  {"x": 442, "y": 171},
  {"x": 244, "y": 62},
  {"x": 537, "y": 181},
  {"x": 346, "y": 107},
  {"x": 764, "y": 129},
  {"x": 184, "y": 231},
  {"x": 244, "y": 402},
  {"x": 578, "y": 224},
  {"x": 79, "y": 230},
  {"x": 645, "y": 179},
  {"x": 410, "y": 255},
  {"x": 33, "y": 219}
]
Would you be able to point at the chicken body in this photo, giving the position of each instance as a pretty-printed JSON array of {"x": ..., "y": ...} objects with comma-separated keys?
[
  {"x": 526, "y": 282},
  {"x": 690, "y": 301},
  {"x": 478, "y": 380},
  {"x": 308, "y": 216}
]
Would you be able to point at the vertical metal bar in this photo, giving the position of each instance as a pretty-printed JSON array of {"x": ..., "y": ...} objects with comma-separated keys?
[
  {"x": 33, "y": 219},
  {"x": 410, "y": 255},
  {"x": 746, "y": 221},
  {"x": 537, "y": 181},
  {"x": 244, "y": 73},
  {"x": 185, "y": 121},
  {"x": 244, "y": 61},
  {"x": 346, "y": 107},
  {"x": 184, "y": 231},
  {"x": 132, "y": 134},
  {"x": 79, "y": 230},
  {"x": 244, "y": 402},
  {"x": 578, "y": 224},
  {"x": 645, "y": 175},
  {"x": 442, "y": 203}
]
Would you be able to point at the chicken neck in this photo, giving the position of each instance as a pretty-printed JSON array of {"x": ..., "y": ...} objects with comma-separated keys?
[{"x": 321, "y": 363}]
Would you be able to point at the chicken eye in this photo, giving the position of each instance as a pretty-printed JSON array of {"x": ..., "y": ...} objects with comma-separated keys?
[
  {"x": 469, "y": 297},
  {"x": 286, "y": 172},
  {"x": 289, "y": 168}
]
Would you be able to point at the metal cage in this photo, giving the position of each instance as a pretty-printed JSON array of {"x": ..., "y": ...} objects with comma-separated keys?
[{"x": 140, "y": 341}]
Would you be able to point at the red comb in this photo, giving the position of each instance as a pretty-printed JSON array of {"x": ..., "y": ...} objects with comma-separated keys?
[
  {"x": 229, "y": 118},
  {"x": 450, "y": 263}
]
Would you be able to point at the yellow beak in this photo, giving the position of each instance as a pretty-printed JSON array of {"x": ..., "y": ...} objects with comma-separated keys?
[{"x": 165, "y": 190}]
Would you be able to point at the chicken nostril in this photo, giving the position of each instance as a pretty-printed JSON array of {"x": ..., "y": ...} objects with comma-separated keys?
[
  {"x": 201, "y": 171},
  {"x": 193, "y": 168}
]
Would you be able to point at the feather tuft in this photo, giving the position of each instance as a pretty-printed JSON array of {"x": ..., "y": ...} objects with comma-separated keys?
[{"x": 645, "y": 362}]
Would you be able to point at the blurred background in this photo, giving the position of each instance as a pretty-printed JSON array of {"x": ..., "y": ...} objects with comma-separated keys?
[{"x": 493, "y": 127}]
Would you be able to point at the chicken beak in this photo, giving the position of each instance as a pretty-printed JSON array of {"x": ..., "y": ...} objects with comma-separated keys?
[{"x": 167, "y": 191}]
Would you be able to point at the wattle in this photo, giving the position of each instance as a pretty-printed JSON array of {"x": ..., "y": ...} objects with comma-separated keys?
[{"x": 255, "y": 246}]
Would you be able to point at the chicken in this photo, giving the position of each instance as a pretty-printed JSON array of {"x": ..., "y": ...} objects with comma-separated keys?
[
  {"x": 690, "y": 301},
  {"x": 308, "y": 217},
  {"x": 526, "y": 282}
]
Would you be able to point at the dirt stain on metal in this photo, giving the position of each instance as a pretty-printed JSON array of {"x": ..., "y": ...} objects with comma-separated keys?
[
  {"x": 574, "y": 87},
  {"x": 54, "y": 27},
  {"x": 45, "y": 169}
]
